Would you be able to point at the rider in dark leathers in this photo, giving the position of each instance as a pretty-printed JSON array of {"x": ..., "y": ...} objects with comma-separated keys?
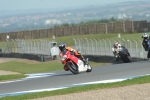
[{"x": 145, "y": 37}]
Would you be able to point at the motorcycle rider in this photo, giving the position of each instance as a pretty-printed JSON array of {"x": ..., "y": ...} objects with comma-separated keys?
[
  {"x": 115, "y": 50},
  {"x": 145, "y": 37},
  {"x": 62, "y": 47}
]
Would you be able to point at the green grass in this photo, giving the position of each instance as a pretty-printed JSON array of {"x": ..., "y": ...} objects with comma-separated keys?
[
  {"x": 27, "y": 68},
  {"x": 140, "y": 80},
  {"x": 11, "y": 77}
]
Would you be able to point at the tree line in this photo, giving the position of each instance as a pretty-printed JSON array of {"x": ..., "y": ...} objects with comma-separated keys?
[{"x": 111, "y": 20}]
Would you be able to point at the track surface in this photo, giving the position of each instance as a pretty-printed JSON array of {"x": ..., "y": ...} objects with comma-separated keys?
[{"x": 66, "y": 78}]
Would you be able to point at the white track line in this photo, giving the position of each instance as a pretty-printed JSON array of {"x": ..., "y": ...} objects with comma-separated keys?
[{"x": 73, "y": 85}]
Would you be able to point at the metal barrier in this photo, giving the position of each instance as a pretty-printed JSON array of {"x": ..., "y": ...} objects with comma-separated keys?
[
  {"x": 104, "y": 47},
  {"x": 86, "y": 46},
  {"x": 34, "y": 46}
]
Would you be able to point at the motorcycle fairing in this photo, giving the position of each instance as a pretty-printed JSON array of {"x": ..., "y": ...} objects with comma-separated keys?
[
  {"x": 148, "y": 42},
  {"x": 81, "y": 67},
  {"x": 67, "y": 55},
  {"x": 80, "y": 64}
]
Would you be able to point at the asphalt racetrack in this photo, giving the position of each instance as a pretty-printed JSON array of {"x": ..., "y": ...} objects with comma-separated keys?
[{"x": 63, "y": 78}]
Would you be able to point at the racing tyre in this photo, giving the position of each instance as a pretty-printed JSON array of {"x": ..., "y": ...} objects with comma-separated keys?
[
  {"x": 89, "y": 69},
  {"x": 73, "y": 67},
  {"x": 148, "y": 54},
  {"x": 129, "y": 58}
]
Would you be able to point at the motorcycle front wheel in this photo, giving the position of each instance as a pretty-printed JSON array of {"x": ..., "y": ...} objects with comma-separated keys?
[
  {"x": 148, "y": 54},
  {"x": 73, "y": 67}
]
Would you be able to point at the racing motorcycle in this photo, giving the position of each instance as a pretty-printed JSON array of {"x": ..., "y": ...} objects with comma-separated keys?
[
  {"x": 124, "y": 55},
  {"x": 146, "y": 46},
  {"x": 148, "y": 54},
  {"x": 74, "y": 64}
]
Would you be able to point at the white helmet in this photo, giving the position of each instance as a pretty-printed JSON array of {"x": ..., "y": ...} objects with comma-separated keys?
[{"x": 145, "y": 36}]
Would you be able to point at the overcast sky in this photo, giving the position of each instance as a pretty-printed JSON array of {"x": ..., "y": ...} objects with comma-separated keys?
[{"x": 51, "y": 4}]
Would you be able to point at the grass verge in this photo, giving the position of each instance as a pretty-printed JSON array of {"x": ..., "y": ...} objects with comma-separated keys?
[
  {"x": 11, "y": 77},
  {"x": 29, "y": 68}
]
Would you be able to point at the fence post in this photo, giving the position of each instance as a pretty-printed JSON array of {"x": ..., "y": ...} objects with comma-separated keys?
[
  {"x": 124, "y": 29},
  {"x": 79, "y": 30},
  {"x": 132, "y": 27},
  {"x": 136, "y": 48},
  {"x": 92, "y": 46},
  {"x": 96, "y": 28},
  {"x": 95, "y": 47},
  {"x": 87, "y": 29},
  {"x": 130, "y": 46},
  {"x": 109, "y": 46},
  {"x": 79, "y": 48},
  {"x": 141, "y": 53},
  {"x": 100, "y": 46},
  {"x": 104, "y": 47},
  {"x": 75, "y": 43},
  {"x": 87, "y": 45},
  {"x": 71, "y": 30},
  {"x": 124, "y": 41},
  {"x": 106, "y": 28}
]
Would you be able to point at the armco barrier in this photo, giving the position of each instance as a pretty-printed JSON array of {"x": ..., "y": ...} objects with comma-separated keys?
[
  {"x": 107, "y": 59},
  {"x": 41, "y": 58},
  {"x": 44, "y": 58}
]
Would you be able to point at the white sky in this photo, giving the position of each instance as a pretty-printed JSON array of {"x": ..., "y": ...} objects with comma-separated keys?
[{"x": 51, "y": 4}]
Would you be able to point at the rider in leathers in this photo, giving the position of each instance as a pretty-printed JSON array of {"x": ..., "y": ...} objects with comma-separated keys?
[
  {"x": 115, "y": 50},
  {"x": 62, "y": 46},
  {"x": 145, "y": 37}
]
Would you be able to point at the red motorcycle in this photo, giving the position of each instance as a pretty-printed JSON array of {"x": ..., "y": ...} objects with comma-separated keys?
[{"x": 74, "y": 64}]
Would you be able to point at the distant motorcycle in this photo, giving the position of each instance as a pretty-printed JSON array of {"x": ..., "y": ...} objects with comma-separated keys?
[
  {"x": 148, "y": 54},
  {"x": 74, "y": 64},
  {"x": 146, "y": 46},
  {"x": 124, "y": 55}
]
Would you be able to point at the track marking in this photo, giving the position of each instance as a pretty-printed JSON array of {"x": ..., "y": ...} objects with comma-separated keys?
[
  {"x": 73, "y": 85},
  {"x": 31, "y": 76}
]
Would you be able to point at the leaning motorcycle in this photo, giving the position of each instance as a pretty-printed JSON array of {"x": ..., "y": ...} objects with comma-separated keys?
[
  {"x": 74, "y": 64},
  {"x": 148, "y": 54},
  {"x": 146, "y": 46},
  {"x": 124, "y": 55}
]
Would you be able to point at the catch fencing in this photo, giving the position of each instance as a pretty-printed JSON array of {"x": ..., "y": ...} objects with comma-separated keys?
[
  {"x": 87, "y": 46},
  {"x": 104, "y": 47},
  {"x": 34, "y": 46}
]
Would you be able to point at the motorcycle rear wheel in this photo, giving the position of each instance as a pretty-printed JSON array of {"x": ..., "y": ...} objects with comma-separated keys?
[
  {"x": 148, "y": 54},
  {"x": 89, "y": 68},
  {"x": 129, "y": 58},
  {"x": 73, "y": 67}
]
